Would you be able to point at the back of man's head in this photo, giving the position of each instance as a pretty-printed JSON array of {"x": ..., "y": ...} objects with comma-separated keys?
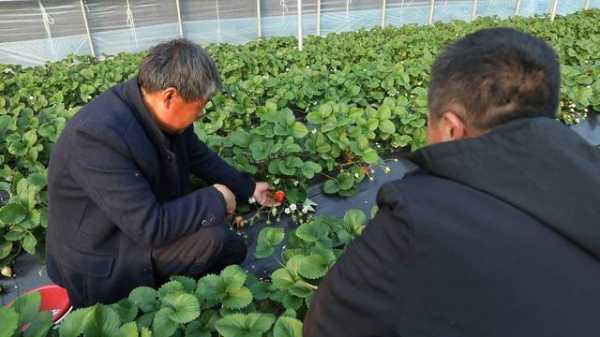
[
  {"x": 493, "y": 76},
  {"x": 180, "y": 64}
]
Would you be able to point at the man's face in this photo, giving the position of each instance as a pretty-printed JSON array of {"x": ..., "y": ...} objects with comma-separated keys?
[
  {"x": 182, "y": 113},
  {"x": 174, "y": 113}
]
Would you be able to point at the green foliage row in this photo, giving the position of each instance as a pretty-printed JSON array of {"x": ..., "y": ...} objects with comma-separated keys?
[
  {"x": 286, "y": 116},
  {"x": 231, "y": 304}
]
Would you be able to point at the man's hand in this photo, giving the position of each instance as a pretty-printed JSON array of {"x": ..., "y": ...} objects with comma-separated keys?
[
  {"x": 263, "y": 194},
  {"x": 229, "y": 198}
]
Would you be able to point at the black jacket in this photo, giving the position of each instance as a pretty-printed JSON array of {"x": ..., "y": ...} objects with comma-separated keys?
[
  {"x": 118, "y": 187},
  {"x": 493, "y": 236}
]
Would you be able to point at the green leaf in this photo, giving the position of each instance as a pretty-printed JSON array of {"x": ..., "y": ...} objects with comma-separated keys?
[
  {"x": 386, "y": 126},
  {"x": 75, "y": 322},
  {"x": 144, "y": 298},
  {"x": 129, "y": 330},
  {"x": 9, "y": 321},
  {"x": 299, "y": 130},
  {"x": 5, "y": 249},
  {"x": 313, "y": 267},
  {"x": 196, "y": 329},
  {"x": 310, "y": 168},
  {"x": 259, "y": 151},
  {"x": 268, "y": 238},
  {"x": 27, "y": 306},
  {"x": 163, "y": 325},
  {"x": 144, "y": 332},
  {"x": 238, "y": 299},
  {"x": 292, "y": 302},
  {"x": 211, "y": 288},
  {"x": 12, "y": 214},
  {"x": 355, "y": 220},
  {"x": 259, "y": 289},
  {"x": 290, "y": 313},
  {"x": 145, "y": 320},
  {"x": 282, "y": 279},
  {"x": 240, "y": 138},
  {"x": 301, "y": 289},
  {"x": 29, "y": 243},
  {"x": 312, "y": 231},
  {"x": 287, "y": 327},
  {"x": 233, "y": 277},
  {"x": 103, "y": 322},
  {"x": 331, "y": 186},
  {"x": 240, "y": 325},
  {"x": 38, "y": 180},
  {"x": 16, "y": 234},
  {"x": 171, "y": 287},
  {"x": 345, "y": 181},
  {"x": 186, "y": 307},
  {"x": 370, "y": 156},
  {"x": 40, "y": 326},
  {"x": 30, "y": 137},
  {"x": 189, "y": 284}
]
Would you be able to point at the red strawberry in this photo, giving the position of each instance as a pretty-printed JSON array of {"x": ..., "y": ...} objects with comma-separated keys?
[{"x": 279, "y": 196}]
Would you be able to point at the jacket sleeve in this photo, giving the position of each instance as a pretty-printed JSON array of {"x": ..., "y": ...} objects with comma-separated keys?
[
  {"x": 362, "y": 295},
  {"x": 207, "y": 165},
  {"x": 101, "y": 164}
]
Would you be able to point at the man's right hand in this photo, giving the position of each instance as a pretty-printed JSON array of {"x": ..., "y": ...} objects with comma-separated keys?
[{"x": 229, "y": 198}]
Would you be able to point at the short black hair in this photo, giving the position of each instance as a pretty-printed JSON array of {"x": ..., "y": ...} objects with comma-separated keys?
[
  {"x": 496, "y": 75},
  {"x": 183, "y": 65}
]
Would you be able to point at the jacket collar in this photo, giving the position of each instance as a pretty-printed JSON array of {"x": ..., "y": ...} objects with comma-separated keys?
[
  {"x": 133, "y": 96},
  {"x": 538, "y": 165}
]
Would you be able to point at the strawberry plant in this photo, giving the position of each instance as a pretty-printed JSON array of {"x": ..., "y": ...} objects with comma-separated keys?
[{"x": 233, "y": 303}]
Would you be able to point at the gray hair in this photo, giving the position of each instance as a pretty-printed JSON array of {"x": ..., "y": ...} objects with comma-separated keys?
[{"x": 183, "y": 65}]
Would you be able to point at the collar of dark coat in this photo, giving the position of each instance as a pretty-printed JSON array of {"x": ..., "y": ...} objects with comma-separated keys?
[
  {"x": 170, "y": 184},
  {"x": 134, "y": 98},
  {"x": 538, "y": 165}
]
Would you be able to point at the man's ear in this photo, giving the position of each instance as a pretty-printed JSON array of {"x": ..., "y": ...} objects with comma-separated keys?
[
  {"x": 168, "y": 96},
  {"x": 453, "y": 127},
  {"x": 445, "y": 128}
]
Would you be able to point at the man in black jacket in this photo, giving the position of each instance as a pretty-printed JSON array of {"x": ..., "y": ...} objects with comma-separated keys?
[
  {"x": 498, "y": 232},
  {"x": 121, "y": 212}
]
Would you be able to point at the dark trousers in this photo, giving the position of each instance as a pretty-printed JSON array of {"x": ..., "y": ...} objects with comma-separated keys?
[{"x": 207, "y": 251}]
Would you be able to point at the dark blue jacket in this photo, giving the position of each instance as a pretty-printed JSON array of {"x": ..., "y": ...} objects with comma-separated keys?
[
  {"x": 494, "y": 236},
  {"x": 119, "y": 187}
]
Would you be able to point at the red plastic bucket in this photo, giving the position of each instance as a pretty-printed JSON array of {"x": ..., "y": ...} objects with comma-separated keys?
[{"x": 54, "y": 299}]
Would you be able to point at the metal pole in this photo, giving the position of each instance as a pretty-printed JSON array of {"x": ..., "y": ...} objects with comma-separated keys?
[
  {"x": 383, "y": 7},
  {"x": 587, "y": 4},
  {"x": 258, "y": 20},
  {"x": 518, "y": 7},
  {"x": 319, "y": 17},
  {"x": 47, "y": 20},
  {"x": 87, "y": 28},
  {"x": 300, "y": 36},
  {"x": 554, "y": 9},
  {"x": 431, "y": 7},
  {"x": 474, "y": 10},
  {"x": 179, "y": 22}
]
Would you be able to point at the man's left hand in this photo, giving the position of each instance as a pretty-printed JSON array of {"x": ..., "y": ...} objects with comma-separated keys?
[{"x": 263, "y": 194}]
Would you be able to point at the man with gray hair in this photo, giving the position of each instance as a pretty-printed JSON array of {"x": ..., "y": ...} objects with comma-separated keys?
[{"x": 121, "y": 210}]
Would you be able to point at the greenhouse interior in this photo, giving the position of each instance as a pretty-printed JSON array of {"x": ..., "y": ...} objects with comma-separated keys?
[{"x": 290, "y": 168}]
